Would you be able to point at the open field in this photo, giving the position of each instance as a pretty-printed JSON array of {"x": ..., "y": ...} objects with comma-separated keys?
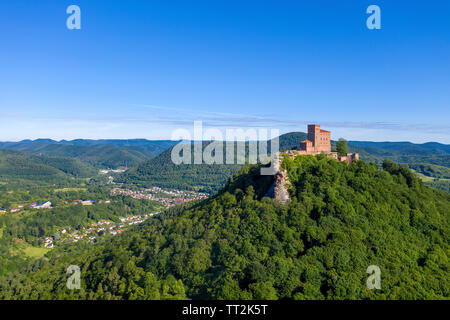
[
  {"x": 35, "y": 252},
  {"x": 69, "y": 189},
  {"x": 422, "y": 176},
  {"x": 427, "y": 178}
]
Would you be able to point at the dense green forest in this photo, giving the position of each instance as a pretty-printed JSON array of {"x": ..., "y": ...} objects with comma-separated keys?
[
  {"x": 240, "y": 245},
  {"x": 100, "y": 156},
  {"x": 13, "y": 166},
  {"x": 291, "y": 141},
  {"x": 9, "y": 261},
  {"x": 405, "y": 148},
  {"x": 402, "y": 152},
  {"x": 429, "y": 160},
  {"x": 21, "y": 165},
  {"x": 443, "y": 185},
  {"x": 162, "y": 172},
  {"x": 150, "y": 148},
  {"x": 99, "y": 153}
]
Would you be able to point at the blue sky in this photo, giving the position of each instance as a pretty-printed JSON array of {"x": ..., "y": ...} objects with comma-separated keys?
[{"x": 141, "y": 69}]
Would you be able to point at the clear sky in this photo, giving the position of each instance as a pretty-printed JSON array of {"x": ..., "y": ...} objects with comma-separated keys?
[{"x": 141, "y": 69}]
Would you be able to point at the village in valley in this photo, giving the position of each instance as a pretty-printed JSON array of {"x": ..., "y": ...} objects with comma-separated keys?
[
  {"x": 96, "y": 229},
  {"x": 91, "y": 233},
  {"x": 168, "y": 198}
]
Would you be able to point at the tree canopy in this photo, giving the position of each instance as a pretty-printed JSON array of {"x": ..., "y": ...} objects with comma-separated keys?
[
  {"x": 242, "y": 245},
  {"x": 342, "y": 147}
]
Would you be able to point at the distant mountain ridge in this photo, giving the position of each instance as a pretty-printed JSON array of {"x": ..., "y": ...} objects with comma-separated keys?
[
  {"x": 151, "y": 148},
  {"x": 404, "y": 147},
  {"x": 151, "y": 164},
  {"x": 403, "y": 152},
  {"x": 99, "y": 153}
]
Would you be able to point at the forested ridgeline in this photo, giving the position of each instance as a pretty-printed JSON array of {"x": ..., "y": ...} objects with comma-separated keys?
[
  {"x": 98, "y": 153},
  {"x": 240, "y": 245},
  {"x": 403, "y": 152},
  {"x": 161, "y": 171},
  {"x": 16, "y": 165},
  {"x": 151, "y": 164}
]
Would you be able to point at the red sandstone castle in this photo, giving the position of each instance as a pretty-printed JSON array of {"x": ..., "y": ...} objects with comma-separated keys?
[{"x": 319, "y": 141}]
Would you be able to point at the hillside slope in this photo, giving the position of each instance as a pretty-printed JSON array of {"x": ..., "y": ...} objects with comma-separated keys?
[
  {"x": 238, "y": 245},
  {"x": 161, "y": 171},
  {"x": 100, "y": 153},
  {"x": 19, "y": 165},
  {"x": 402, "y": 152}
]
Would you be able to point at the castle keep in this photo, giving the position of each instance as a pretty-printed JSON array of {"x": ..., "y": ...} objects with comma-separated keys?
[{"x": 319, "y": 141}]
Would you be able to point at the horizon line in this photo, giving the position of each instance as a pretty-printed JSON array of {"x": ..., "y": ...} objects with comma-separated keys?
[{"x": 191, "y": 140}]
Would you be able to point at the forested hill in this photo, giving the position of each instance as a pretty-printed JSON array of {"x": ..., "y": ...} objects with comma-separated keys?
[
  {"x": 430, "y": 160},
  {"x": 291, "y": 140},
  {"x": 161, "y": 171},
  {"x": 382, "y": 148},
  {"x": 99, "y": 153},
  {"x": 15, "y": 166},
  {"x": 239, "y": 245},
  {"x": 403, "y": 152},
  {"x": 100, "y": 156}
]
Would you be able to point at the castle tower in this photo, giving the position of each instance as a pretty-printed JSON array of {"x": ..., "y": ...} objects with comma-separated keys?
[{"x": 314, "y": 135}]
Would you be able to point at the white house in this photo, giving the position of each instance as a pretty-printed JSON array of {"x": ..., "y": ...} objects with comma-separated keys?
[{"x": 43, "y": 205}]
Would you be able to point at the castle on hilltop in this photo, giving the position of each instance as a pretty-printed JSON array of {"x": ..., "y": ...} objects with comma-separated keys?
[{"x": 319, "y": 141}]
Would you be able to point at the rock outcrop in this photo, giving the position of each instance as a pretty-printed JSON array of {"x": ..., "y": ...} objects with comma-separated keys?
[{"x": 280, "y": 186}]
